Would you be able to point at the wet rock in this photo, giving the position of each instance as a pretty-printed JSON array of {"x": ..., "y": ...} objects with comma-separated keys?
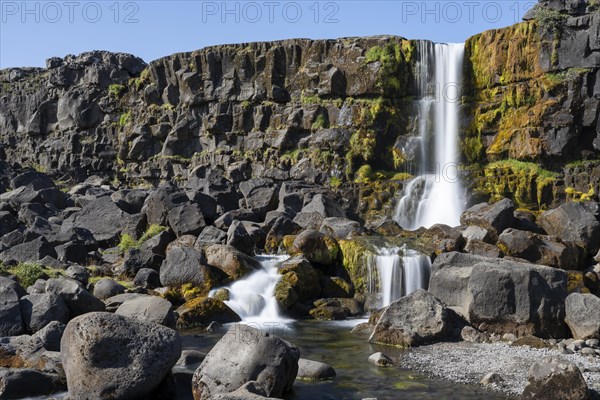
[
  {"x": 316, "y": 247},
  {"x": 246, "y": 354},
  {"x": 309, "y": 370},
  {"x": 416, "y": 319},
  {"x": 186, "y": 265},
  {"x": 554, "y": 378},
  {"x": 583, "y": 315},
  {"x": 108, "y": 356},
  {"x": 231, "y": 261},
  {"x": 381, "y": 360},
  {"x": 201, "y": 312}
]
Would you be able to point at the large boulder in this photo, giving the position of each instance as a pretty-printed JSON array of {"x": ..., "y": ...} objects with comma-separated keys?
[
  {"x": 186, "y": 219},
  {"x": 309, "y": 370},
  {"x": 341, "y": 228},
  {"x": 575, "y": 222},
  {"x": 583, "y": 315},
  {"x": 501, "y": 295},
  {"x": 18, "y": 383},
  {"x": 39, "y": 310},
  {"x": 102, "y": 217},
  {"x": 540, "y": 249},
  {"x": 301, "y": 277},
  {"x": 494, "y": 218},
  {"x": 149, "y": 309},
  {"x": 187, "y": 265},
  {"x": 231, "y": 261},
  {"x": 416, "y": 319},
  {"x": 324, "y": 206},
  {"x": 107, "y": 287},
  {"x": 317, "y": 247},
  {"x": 158, "y": 204},
  {"x": 247, "y": 354},
  {"x": 554, "y": 378},
  {"x": 261, "y": 195},
  {"x": 109, "y": 356},
  {"x": 31, "y": 251}
]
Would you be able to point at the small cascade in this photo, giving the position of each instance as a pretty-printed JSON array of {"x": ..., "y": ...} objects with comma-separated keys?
[
  {"x": 253, "y": 297},
  {"x": 397, "y": 272},
  {"x": 435, "y": 196}
]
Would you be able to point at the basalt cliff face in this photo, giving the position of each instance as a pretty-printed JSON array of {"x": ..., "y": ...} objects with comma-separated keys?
[{"x": 329, "y": 112}]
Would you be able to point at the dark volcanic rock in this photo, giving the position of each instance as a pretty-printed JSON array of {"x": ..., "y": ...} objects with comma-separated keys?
[
  {"x": 495, "y": 218},
  {"x": 554, "y": 378}
]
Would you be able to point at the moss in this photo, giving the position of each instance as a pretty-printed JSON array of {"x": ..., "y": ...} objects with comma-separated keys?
[
  {"x": 127, "y": 243},
  {"x": 335, "y": 182},
  {"x": 245, "y": 104},
  {"x": 124, "y": 119},
  {"x": 575, "y": 282},
  {"x": 550, "y": 20},
  {"x": 526, "y": 183},
  {"x": 116, "y": 90},
  {"x": 575, "y": 195},
  {"x": 395, "y": 68},
  {"x": 364, "y": 174},
  {"x": 320, "y": 123}
]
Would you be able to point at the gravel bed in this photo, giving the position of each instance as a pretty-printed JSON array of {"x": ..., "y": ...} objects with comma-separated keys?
[{"x": 468, "y": 363}]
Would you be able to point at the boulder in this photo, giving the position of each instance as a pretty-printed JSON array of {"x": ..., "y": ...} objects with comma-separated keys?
[
  {"x": 501, "y": 295},
  {"x": 32, "y": 179},
  {"x": 107, "y": 287},
  {"x": 8, "y": 223},
  {"x": 317, "y": 247},
  {"x": 282, "y": 227},
  {"x": 475, "y": 233},
  {"x": 309, "y": 370},
  {"x": 200, "y": 312},
  {"x": 147, "y": 278},
  {"x": 102, "y": 217},
  {"x": 38, "y": 310},
  {"x": 210, "y": 235},
  {"x": 78, "y": 273},
  {"x": 540, "y": 249},
  {"x": 186, "y": 265},
  {"x": 249, "y": 391},
  {"x": 231, "y": 261},
  {"x": 25, "y": 382},
  {"x": 324, "y": 206},
  {"x": 341, "y": 228},
  {"x": 32, "y": 251},
  {"x": 299, "y": 274},
  {"x": 79, "y": 300},
  {"x": 109, "y": 356},
  {"x": 247, "y": 354},
  {"x": 261, "y": 195},
  {"x": 554, "y": 378},
  {"x": 49, "y": 336},
  {"x": 149, "y": 309},
  {"x": 11, "y": 320},
  {"x": 158, "y": 204},
  {"x": 416, "y": 319},
  {"x": 583, "y": 315},
  {"x": 494, "y": 218},
  {"x": 574, "y": 222},
  {"x": 186, "y": 219},
  {"x": 238, "y": 237}
]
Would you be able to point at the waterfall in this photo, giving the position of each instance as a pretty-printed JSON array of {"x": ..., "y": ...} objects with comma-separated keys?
[
  {"x": 400, "y": 271},
  {"x": 253, "y": 297},
  {"x": 436, "y": 195}
]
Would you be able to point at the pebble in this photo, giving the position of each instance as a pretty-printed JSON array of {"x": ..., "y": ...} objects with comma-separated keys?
[
  {"x": 509, "y": 337},
  {"x": 491, "y": 379},
  {"x": 381, "y": 360}
]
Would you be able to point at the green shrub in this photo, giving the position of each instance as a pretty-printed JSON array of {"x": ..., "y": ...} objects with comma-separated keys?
[
  {"x": 127, "y": 243},
  {"x": 124, "y": 119},
  {"x": 27, "y": 273},
  {"x": 153, "y": 230},
  {"x": 319, "y": 123}
]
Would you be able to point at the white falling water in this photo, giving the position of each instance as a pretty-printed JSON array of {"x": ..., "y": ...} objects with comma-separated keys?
[
  {"x": 400, "y": 271},
  {"x": 435, "y": 197},
  {"x": 253, "y": 297}
]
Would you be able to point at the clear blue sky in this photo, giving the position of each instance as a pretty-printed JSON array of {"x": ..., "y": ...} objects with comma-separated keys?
[{"x": 31, "y": 31}]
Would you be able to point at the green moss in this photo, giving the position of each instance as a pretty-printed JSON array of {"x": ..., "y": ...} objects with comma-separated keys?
[
  {"x": 320, "y": 123},
  {"x": 245, "y": 104},
  {"x": 116, "y": 90},
  {"x": 335, "y": 182},
  {"x": 527, "y": 183},
  {"x": 575, "y": 195},
  {"x": 124, "y": 119},
  {"x": 550, "y": 20},
  {"x": 364, "y": 174},
  {"x": 395, "y": 69}
]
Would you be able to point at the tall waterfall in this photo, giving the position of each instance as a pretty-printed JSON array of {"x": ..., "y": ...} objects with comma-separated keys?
[
  {"x": 253, "y": 297},
  {"x": 436, "y": 195},
  {"x": 399, "y": 272}
]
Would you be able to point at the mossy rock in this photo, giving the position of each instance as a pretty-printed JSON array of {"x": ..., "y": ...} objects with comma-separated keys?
[
  {"x": 336, "y": 287},
  {"x": 222, "y": 294},
  {"x": 285, "y": 295},
  {"x": 300, "y": 275},
  {"x": 576, "y": 282},
  {"x": 202, "y": 311},
  {"x": 317, "y": 247},
  {"x": 329, "y": 313}
]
